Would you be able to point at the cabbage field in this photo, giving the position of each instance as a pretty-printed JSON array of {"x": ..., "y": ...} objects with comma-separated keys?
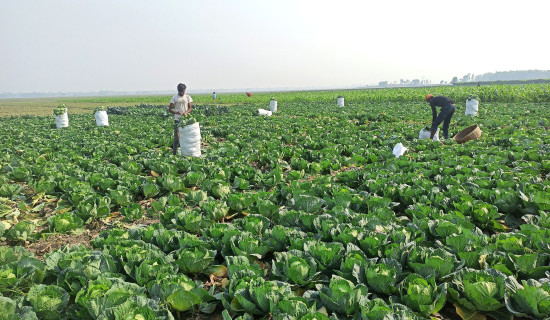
[{"x": 306, "y": 214}]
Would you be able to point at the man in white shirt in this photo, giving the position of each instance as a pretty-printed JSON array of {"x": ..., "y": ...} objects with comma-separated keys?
[{"x": 180, "y": 105}]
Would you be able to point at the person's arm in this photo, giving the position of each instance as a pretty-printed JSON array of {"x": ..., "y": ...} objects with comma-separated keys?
[
  {"x": 171, "y": 109},
  {"x": 434, "y": 113},
  {"x": 190, "y": 105}
]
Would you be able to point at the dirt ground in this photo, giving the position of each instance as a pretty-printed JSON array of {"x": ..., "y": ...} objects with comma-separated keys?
[
  {"x": 56, "y": 241},
  {"x": 40, "y": 107}
]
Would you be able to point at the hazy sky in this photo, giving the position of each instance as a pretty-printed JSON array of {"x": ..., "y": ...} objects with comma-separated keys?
[{"x": 135, "y": 45}]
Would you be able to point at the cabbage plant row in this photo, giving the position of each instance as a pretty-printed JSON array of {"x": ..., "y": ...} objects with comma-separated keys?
[
  {"x": 536, "y": 93},
  {"x": 303, "y": 215}
]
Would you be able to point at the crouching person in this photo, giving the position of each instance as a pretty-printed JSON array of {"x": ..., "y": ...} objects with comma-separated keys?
[{"x": 448, "y": 108}]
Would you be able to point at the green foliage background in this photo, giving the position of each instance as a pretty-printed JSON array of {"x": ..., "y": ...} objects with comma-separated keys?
[{"x": 306, "y": 212}]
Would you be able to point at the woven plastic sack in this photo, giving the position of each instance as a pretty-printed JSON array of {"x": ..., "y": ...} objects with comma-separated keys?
[
  {"x": 62, "y": 121},
  {"x": 399, "y": 150},
  {"x": 263, "y": 112},
  {"x": 425, "y": 134},
  {"x": 340, "y": 102},
  {"x": 101, "y": 118},
  {"x": 190, "y": 140},
  {"x": 273, "y": 105},
  {"x": 472, "y": 107}
]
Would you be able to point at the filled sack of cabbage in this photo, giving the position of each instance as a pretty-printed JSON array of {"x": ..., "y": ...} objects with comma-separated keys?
[
  {"x": 61, "y": 117},
  {"x": 273, "y": 105},
  {"x": 190, "y": 136},
  {"x": 101, "y": 117},
  {"x": 472, "y": 105}
]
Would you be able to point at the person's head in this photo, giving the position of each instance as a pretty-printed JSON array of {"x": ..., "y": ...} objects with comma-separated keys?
[
  {"x": 181, "y": 89},
  {"x": 429, "y": 97}
]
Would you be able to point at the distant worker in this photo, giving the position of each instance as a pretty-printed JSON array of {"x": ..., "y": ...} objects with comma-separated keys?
[
  {"x": 249, "y": 94},
  {"x": 213, "y": 95},
  {"x": 448, "y": 108},
  {"x": 180, "y": 105}
]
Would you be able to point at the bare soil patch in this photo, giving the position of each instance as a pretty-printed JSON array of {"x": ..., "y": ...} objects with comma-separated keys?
[{"x": 56, "y": 241}]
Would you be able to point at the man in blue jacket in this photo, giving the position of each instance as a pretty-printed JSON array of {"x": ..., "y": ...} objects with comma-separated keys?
[{"x": 448, "y": 108}]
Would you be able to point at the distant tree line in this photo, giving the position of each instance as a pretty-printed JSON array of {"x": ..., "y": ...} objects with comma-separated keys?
[
  {"x": 498, "y": 82},
  {"x": 504, "y": 76},
  {"x": 406, "y": 82},
  {"x": 509, "y": 77}
]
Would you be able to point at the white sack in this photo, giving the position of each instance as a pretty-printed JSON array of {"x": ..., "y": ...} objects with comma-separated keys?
[
  {"x": 340, "y": 102},
  {"x": 399, "y": 150},
  {"x": 101, "y": 118},
  {"x": 425, "y": 134},
  {"x": 62, "y": 121},
  {"x": 472, "y": 106},
  {"x": 263, "y": 112},
  {"x": 190, "y": 140},
  {"x": 273, "y": 105}
]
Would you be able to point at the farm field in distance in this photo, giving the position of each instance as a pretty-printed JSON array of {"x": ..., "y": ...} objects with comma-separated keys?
[{"x": 305, "y": 214}]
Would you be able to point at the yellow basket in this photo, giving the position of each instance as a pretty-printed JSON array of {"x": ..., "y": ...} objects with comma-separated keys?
[{"x": 470, "y": 133}]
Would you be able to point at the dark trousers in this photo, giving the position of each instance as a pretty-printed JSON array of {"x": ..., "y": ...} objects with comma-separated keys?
[
  {"x": 176, "y": 143},
  {"x": 444, "y": 116}
]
